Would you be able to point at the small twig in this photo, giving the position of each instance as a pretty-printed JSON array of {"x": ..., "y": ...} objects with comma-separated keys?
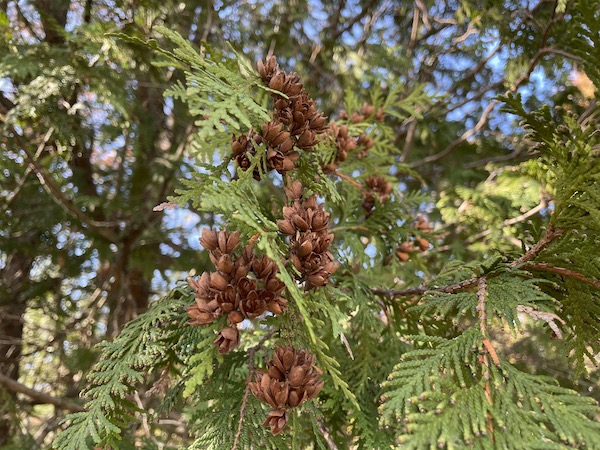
[
  {"x": 419, "y": 290},
  {"x": 21, "y": 181},
  {"x": 251, "y": 352},
  {"x": 238, "y": 434},
  {"x": 52, "y": 188},
  {"x": 470, "y": 30},
  {"x": 352, "y": 181},
  {"x": 550, "y": 236},
  {"x": 327, "y": 435},
  {"x": 508, "y": 222},
  {"x": 547, "y": 317},
  {"x": 562, "y": 271},
  {"x": 147, "y": 431},
  {"x": 462, "y": 138},
  {"x": 488, "y": 348},
  {"x": 533, "y": 252},
  {"x": 41, "y": 397}
]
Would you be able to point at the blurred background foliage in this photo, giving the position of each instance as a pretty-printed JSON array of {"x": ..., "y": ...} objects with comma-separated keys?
[{"x": 90, "y": 145}]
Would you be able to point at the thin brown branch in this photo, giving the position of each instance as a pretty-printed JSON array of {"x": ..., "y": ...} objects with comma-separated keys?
[
  {"x": 562, "y": 271},
  {"x": 547, "y": 317},
  {"x": 414, "y": 29},
  {"x": 481, "y": 309},
  {"x": 327, "y": 435},
  {"x": 361, "y": 15},
  {"x": 487, "y": 348},
  {"x": 462, "y": 138},
  {"x": 250, "y": 357},
  {"x": 410, "y": 140},
  {"x": 509, "y": 222},
  {"x": 238, "y": 434},
  {"x": 21, "y": 181},
  {"x": 41, "y": 397},
  {"x": 419, "y": 290},
  {"x": 551, "y": 235},
  {"x": 48, "y": 183},
  {"x": 351, "y": 180}
]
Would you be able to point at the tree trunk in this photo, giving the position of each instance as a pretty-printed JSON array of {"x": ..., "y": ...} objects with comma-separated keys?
[{"x": 14, "y": 279}]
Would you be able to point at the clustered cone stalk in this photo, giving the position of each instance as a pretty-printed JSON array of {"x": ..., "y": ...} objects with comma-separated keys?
[
  {"x": 291, "y": 379},
  {"x": 296, "y": 124},
  {"x": 306, "y": 223},
  {"x": 345, "y": 142},
  {"x": 378, "y": 187},
  {"x": 245, "y": 285}
]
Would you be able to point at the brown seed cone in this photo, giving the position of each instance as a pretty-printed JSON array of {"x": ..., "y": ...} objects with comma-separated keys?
[
  {"x": 294, "y": 191},
  {"x": 267, "y": 69},
  {"x": 368, "y": 203},
  {"x": 241, "y": 144},
  {"x": 290, "y": 379},
  {"x": 367, "y": 109},
  {"x": 402, "y": 256},
  {"x": 423, "y": 224},
  {"x": 264, "y": 267},
  {"x": 235, "y": 317},
  {"x": 277, "y": 420},
  {"x": 307, "y": 140},
  {"x": 219, "y": 242},
  {"x": 253, "y": 305},
  {"x": 227, "y": 339},
  {"x": 227, "y": 299},
  {"x": 423, "y": 244},
  {"x": 407, "y": 247},
  {"x": 380, "y": 186},
  {"x": 357, "y": 117},
  {"x": 202, "y": 313}
]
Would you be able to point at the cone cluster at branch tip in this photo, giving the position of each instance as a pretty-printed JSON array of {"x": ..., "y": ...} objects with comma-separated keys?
[
  {"x": 291, "y": 379},
  {"x": 346, "y": 142},
  {"x": 306, "y": 223},
  {"x": 296, "y": 123},
  {"x": 377, "y": 186},
  {"x": 244, "y": 286}
]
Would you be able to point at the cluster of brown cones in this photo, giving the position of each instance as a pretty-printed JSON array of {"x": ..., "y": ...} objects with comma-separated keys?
[
  {"x": 367, "y": 112},
  {"x": 296, "y": 123},
  {"x": 347, "y": 143},
  {"x": 306, "y": 223},
  {"x": 415, "y": 244},
  {"x": 244, "y": 286},
  {"x": 376, "y": 187},
  {"x": 290, "y": 379}
]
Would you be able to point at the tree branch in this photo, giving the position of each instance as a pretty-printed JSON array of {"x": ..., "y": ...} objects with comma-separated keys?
[
  {"x": 532, "y": 253},
  {"x": 562, "y": 271},
  {"x": 57, "y": 195},
  {"x": 462, "y": 138},
  {"x": 41, "y": 397}
]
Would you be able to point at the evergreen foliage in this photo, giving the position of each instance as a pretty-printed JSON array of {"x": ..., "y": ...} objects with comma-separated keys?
[
  {"x": 451, "y": 388},
  {"x": 448, "y": 267}
]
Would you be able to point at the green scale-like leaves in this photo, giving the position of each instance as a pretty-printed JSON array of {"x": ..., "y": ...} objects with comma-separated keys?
[{"x": 144, "y": 345}]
